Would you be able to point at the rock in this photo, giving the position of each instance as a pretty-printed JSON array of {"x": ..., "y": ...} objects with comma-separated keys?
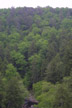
[{"x": 29, "y": 103}]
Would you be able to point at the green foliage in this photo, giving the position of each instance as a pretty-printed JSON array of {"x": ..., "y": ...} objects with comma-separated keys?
[
  {"x": 55, "y": 70},
  {"x": 12, "y": 90},
  {"x": 37, "y": 88},
  {"x": 18, "y": 60},
  {"x": 11, "y": 71},
  {"x": 44, "y": 91},
  {"x": 23, "y": 47},
  {"x": 53, "y": 96},
  {"x": 2, "y": 92},
  {"x": 36, "y": 45},
  {"x": 66, "y": 24},
  {"x": 35, "y": 63},
  {"x": 16, "y": 93},
  {"x": 62, "y": 99}
]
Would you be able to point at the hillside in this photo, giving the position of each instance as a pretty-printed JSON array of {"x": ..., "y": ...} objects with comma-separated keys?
[{"x": 36, "y": 56}]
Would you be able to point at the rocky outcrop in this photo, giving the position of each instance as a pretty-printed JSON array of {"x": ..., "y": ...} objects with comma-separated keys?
[{"x": 30, "y": 102}]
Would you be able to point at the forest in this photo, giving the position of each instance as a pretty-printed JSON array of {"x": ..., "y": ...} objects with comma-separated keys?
[{"x": 36, "y": 56}]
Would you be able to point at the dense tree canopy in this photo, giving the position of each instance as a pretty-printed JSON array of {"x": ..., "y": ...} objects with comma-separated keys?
[{"x": 36, "y": 54}]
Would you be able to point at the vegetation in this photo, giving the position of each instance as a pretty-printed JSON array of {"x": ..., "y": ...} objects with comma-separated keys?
[{"x": 36, "y": 55}]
